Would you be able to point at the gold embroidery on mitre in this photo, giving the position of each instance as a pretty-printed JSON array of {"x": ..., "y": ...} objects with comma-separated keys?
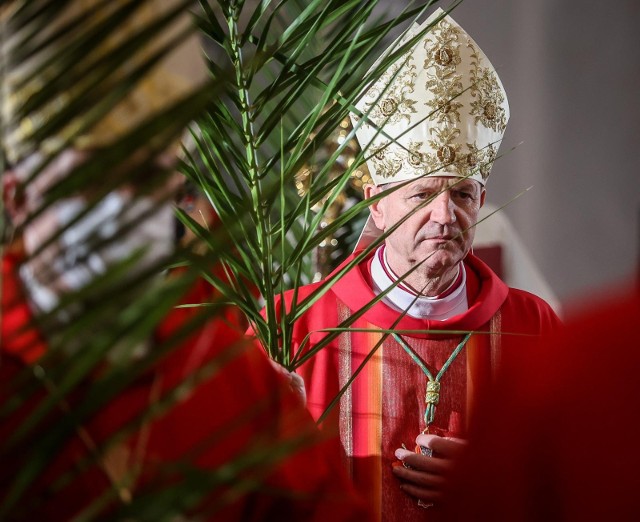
[
  {"x": 477, "y": 160},
  {"x": 487, "y": 108},
  {"x": 389, "y": 158},
  {"x": 445, "y": 149},
  {"x": 392, "y": 105},
  {"x": 455, "y": 158},
  {"x": 443, "y": 57}
]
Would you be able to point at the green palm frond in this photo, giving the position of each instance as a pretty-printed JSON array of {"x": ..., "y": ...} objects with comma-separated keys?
[{"x": 299, "y": 67}]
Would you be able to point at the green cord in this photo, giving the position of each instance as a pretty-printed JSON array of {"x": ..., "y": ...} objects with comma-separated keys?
[{"x": 432, "y": 396}]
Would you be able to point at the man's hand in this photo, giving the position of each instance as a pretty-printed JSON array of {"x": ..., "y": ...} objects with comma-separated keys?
[
  {"x": 425, "y": 477},
  {"x": 296, "y": 383}
]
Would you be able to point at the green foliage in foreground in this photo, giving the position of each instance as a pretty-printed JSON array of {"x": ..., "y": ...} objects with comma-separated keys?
[{"x": 297, "y": 69}]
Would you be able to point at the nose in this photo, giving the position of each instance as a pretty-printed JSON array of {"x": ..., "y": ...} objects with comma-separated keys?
[{"x": 443, "y": 209}]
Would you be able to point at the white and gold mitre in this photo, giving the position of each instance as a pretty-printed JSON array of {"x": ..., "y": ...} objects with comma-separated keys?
[{"x": 439, "y": 110}]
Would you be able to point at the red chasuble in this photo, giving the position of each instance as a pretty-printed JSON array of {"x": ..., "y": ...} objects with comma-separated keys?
[{"x": 384, "y": 406}]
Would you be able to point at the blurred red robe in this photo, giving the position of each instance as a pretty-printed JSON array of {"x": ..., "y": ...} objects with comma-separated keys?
[
  {"x": 560, "y": 441},
  {"x": 243, "y": 407}
]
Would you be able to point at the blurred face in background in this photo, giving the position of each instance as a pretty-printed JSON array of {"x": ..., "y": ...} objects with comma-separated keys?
[{"x": 67, "y": 246}]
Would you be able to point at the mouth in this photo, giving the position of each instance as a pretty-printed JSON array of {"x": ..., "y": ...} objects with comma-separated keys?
[{"x": 441, "y": 239}]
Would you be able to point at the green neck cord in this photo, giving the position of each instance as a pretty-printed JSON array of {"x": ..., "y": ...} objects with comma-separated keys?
[{"x": 432, "y": 396}]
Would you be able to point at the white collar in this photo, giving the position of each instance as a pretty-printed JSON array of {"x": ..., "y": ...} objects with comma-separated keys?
[{"x": 420, "y": 307}]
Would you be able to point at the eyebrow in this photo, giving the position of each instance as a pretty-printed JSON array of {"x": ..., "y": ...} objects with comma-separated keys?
[
  {"x": 465, "y": 184},
  {"x": 456, "y": 185}
]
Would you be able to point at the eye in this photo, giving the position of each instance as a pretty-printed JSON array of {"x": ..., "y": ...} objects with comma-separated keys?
[
  {"x": 463, "y": 195},
  {"x": 421, "y": 196}
]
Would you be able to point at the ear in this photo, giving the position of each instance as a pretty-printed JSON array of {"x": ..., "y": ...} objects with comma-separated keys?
[
  {"x": 377, "y": 208},
  {"x": 482, "y": 196}
]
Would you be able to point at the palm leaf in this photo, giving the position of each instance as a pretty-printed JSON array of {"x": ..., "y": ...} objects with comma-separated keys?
[
  {"x": 306, "y": 68},
  {"x": 61, "y": 87}
]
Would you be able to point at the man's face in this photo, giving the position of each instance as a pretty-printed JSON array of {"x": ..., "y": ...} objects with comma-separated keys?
[{"x": 438, "y": 231}]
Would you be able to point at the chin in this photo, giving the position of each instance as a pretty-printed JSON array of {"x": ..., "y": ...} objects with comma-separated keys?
[{"x": 441, "y": 260}]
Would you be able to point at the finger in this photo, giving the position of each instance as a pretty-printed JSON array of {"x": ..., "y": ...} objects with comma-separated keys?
[
  {"x": 402, "y": 453},
  {"x": 446, "y": 447},
  {"x": 422, "y": 463},
  {"x": 422, "y": 479},
  {"x": 425, "y": 494},
  {"x": 279, "y": 368},
  {"x": 297, "y": 384}
]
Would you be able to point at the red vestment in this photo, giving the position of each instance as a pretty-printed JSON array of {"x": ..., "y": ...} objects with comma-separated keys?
[
  {"x": 384, "y": 406},
  {"x": 239, "y": 407}
]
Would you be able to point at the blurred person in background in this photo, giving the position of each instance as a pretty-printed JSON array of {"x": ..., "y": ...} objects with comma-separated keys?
[
  {"x": 188, "y": 420},
  {"x": 559, "y": 439}
]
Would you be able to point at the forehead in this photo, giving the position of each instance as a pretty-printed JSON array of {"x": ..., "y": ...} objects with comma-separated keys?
[{"x": 438, "y": 183}]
